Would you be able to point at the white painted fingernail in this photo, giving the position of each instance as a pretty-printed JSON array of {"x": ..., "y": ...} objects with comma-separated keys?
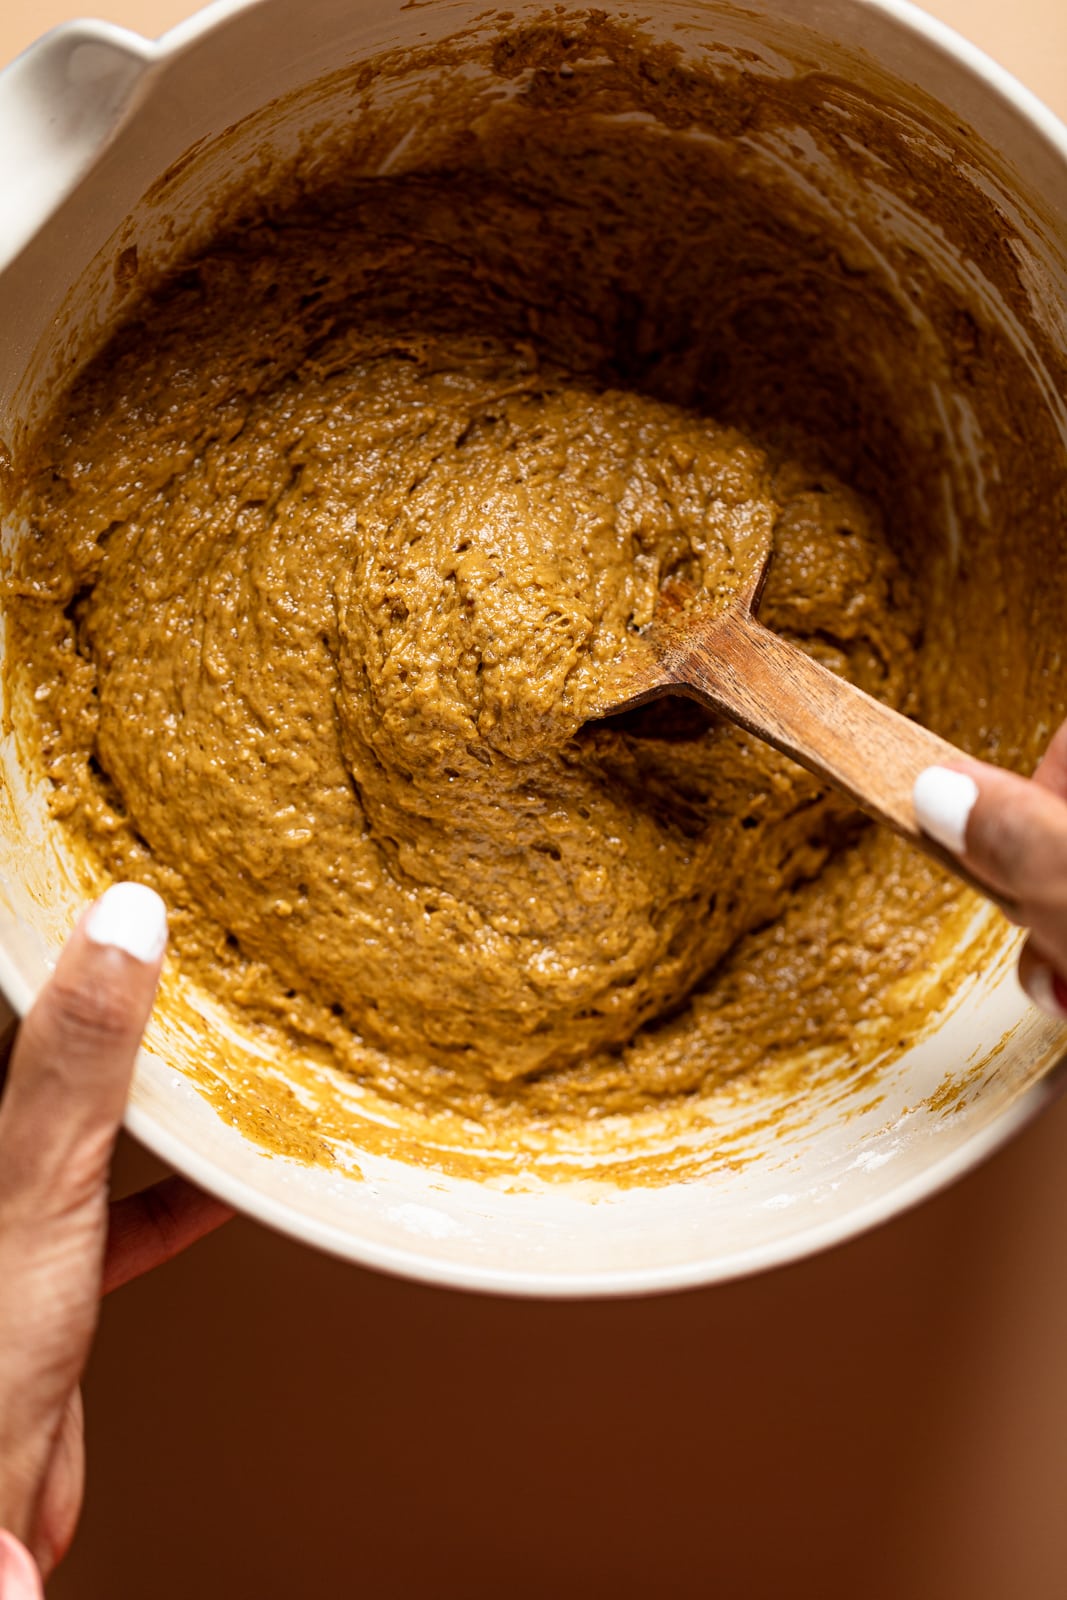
[
  {"x": 944, "y": 801},
  {"x": 1040, "y": 987},
  {"x": 130, "y": 917}
]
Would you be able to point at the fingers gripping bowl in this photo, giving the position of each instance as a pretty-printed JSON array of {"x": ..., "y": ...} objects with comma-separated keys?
[{"x": 823, "y": 237}]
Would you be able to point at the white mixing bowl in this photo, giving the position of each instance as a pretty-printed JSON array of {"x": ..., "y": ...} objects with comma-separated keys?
[{"x": 113, "y": 142}]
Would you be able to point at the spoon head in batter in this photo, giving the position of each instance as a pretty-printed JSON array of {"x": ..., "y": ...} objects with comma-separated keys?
[{"x": 653, "y": 664}]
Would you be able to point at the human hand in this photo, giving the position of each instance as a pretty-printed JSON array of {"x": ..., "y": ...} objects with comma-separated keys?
[
  {"x": 1012, "y": 833},
  {"x": 61, "y": 1245}
]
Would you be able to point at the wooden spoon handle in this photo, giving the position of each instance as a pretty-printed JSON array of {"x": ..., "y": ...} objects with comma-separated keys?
[{"x": 827, "y": 724}]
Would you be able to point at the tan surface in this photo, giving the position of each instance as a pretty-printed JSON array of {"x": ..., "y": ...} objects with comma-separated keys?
[{"x": 887, "y": 1421}]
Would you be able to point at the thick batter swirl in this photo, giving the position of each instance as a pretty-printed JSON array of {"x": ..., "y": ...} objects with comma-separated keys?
[{"x": 319, "y": 597}]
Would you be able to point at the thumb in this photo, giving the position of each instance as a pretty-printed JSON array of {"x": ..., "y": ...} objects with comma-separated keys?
[
  {"x": 71, "y": 1066},
  {"x": 1011, "y": 831},
  {"x": 66, "y": 1088}
]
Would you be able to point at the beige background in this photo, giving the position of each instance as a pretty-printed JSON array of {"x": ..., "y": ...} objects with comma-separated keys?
[{"x": 888, "y": 1422}]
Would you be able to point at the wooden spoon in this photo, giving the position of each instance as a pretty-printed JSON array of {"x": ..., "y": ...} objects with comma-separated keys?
[{"x": 723, "y": 658}]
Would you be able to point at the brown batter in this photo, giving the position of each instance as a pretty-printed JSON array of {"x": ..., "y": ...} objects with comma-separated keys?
[{"x": 332, "y": 547}]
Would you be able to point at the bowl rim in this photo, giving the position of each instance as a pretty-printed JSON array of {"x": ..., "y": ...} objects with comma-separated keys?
[{"x": 699, "y": 1272}]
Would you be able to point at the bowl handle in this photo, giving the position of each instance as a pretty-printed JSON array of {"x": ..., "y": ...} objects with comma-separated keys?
[{"x": 61, "y": 103}]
